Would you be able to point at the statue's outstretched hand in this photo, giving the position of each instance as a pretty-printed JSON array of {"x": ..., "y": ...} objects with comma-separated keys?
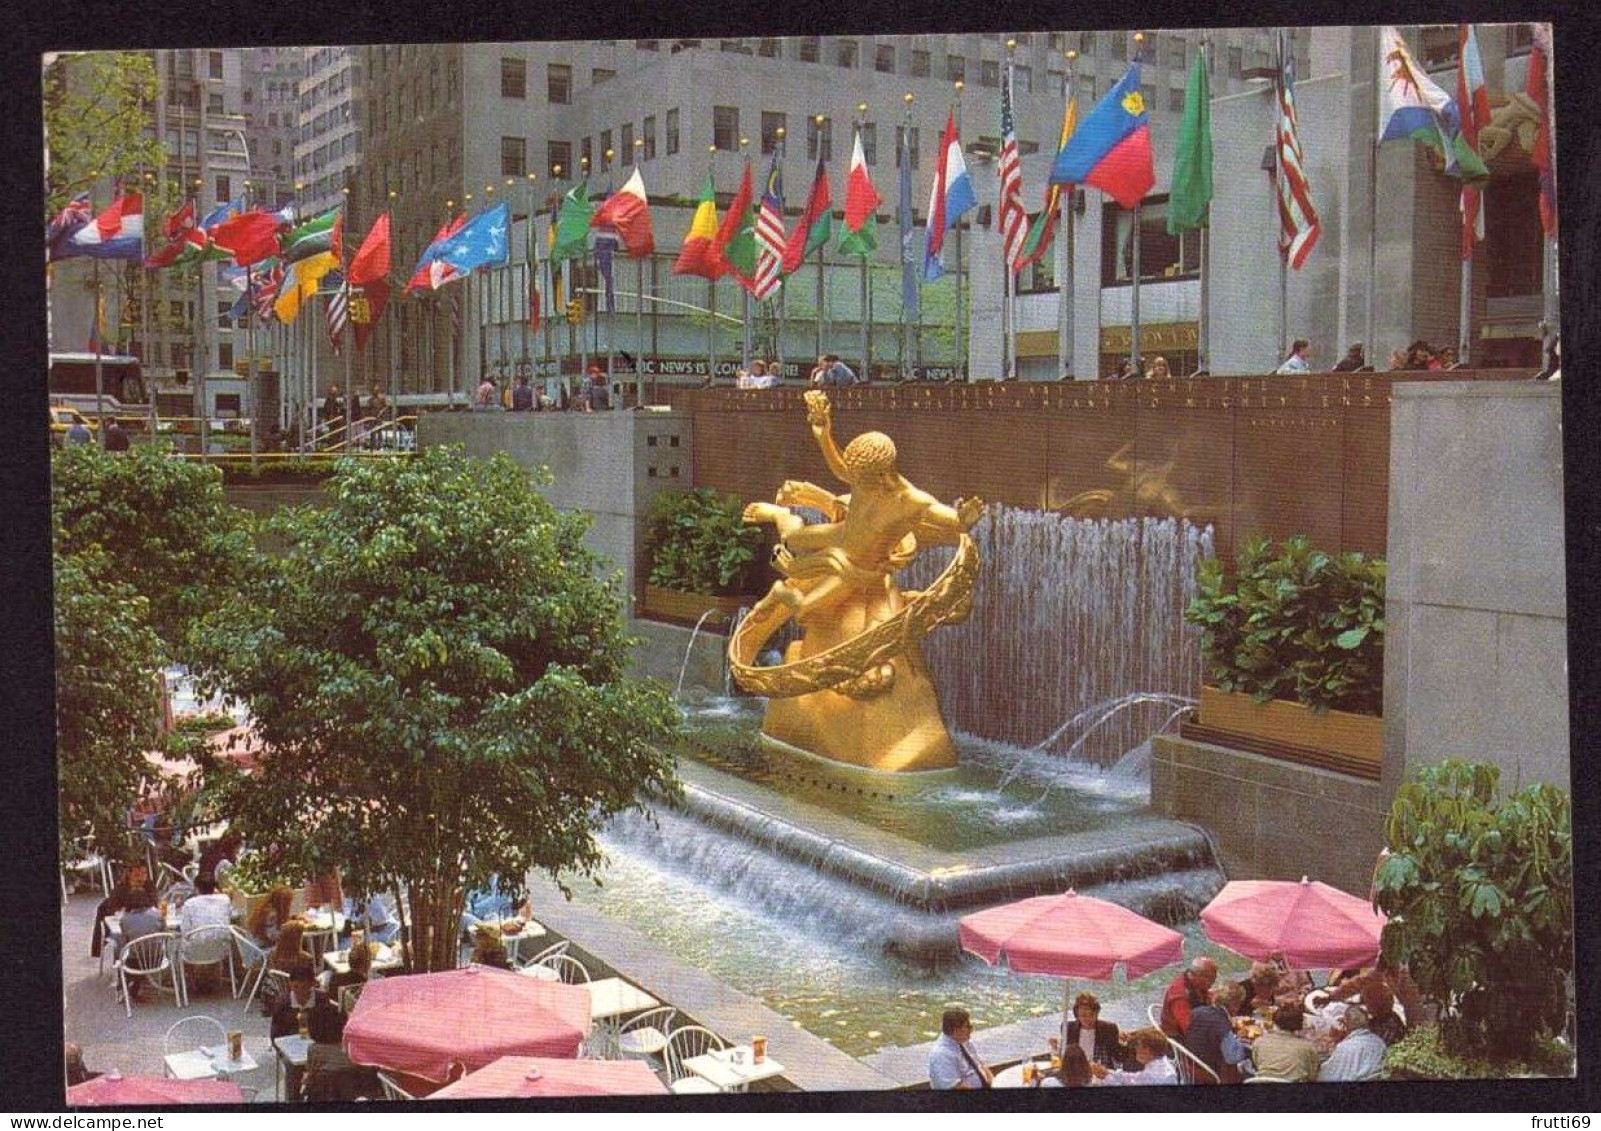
[
  {"x": 969, "y": 511},
  {"x": 818, "y": 413}
]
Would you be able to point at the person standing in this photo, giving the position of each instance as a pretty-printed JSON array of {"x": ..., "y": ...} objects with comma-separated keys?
[
  {"x": 831, "y": 371},
  {"x": 116, "y": 437},
  {"x": 78, "y": 432},
  {"x": 485, "y": 398},
  {"x": 599, "y": 397},
  {"x": 1353, "y": 360},
  {"x": 953, "y": 1062},
  {"x": 1159, "y": 370},
  {"x": 332, "y": 409},
  {"x": 1184, "y": 993},
  {"x": 522, "y": 397},
  {"x": 1296, "y": 362}
]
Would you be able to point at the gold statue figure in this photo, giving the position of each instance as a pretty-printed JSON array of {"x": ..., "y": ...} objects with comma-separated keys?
[{"x": 854, "y": 687}]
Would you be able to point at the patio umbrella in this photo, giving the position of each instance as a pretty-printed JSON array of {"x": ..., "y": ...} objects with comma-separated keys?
[
  {"x": 1310, "y": 924},
  {"x": 112, "y": 1090},
  {"x": 423, "y": 1024},
  {"x": 1070, "y": 936},
  {"x": 527, "y": 1077}
]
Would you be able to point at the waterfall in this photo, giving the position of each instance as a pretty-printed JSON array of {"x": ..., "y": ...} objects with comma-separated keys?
[{"x": 1069, "y": 614}]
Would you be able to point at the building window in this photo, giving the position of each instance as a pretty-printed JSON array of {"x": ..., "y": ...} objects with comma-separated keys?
[
  {"x": 214, "y": 64},
  {"x": 955, "y": 68},
  {"x": 224, "y": 187},
  {"x": 599, "y": 75},
  {"x": 845, "y": 53},
  {"x": 725, "y": 127},
  {"x": 907, "y": 140},
  {"x": 249, "y": 97},
  {"x": 559, "y": 158},
  {"x": 648, "y": 132},
  {"x": 920, "y": 64},
  {"x": 513, "y": 156},
  {"x": 513, "y": 78},
  {"x": 989, "y": 73},
  {"x": 1175, "y": 99},
  {"x": 586, "y": 157},
  {"x": 626, "y": 152},
  {"x": 1162, "y": 257},
  {"x": 559, "y": 83},
  {"x": 819, "y": 139},
  {"x": 647, "y": 45},
  {"x": 1519, "y": 39},
  {"x": 869, "y": 137},
  {"x": 605, "y": 149},
  {"x": 884, "y": 58},
  {"x": 1119, "y": 45},
  {"x": 227, "y": 404},
  {"x": 1022, "y": 80},
  {"x": 1438, "y": 49},
  {"x": 1086, "y": 88},
  {"x": 772, "y": 122},
  {"x": 672, "y": 132},
  {"x": 1175, "y": 52},
  {"x": 214, "y": 104}
]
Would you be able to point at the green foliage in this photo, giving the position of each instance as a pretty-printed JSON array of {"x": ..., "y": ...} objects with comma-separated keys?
[
  {"x": 299, "y": 469},
  {"x": 94, "y": 111},
  {"x": 1422, "y": 1055},
  {"x": 107, "y": 702},
  {"x": 436, "y": 671},
  {"x": 1480, "y": 899},
  {"x": 163, "y": 524},
  {"x": 256, "y": 873},
  {"x": 202, "y": 725},
  {"x": 1298, "y": 624},
  {"x": 698, "y": 543}
]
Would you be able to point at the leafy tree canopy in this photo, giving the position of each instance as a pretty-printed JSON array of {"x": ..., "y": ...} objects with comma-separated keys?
[
  {"x": 95, "y": 108},
  {"x": 435, "y": 668}
]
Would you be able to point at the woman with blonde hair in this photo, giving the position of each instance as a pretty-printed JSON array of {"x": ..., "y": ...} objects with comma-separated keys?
[
  {"x": 288, "y": 946},
  {"x": 267, "y": 921}
]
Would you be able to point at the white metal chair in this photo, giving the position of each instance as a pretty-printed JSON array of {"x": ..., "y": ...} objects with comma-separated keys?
[
  {"x": 207, "y": 946},
  {"x": 1154, "y": 1013},
  {"x": 148, "y": 957},
  {"x": 392, "y": 1090},
  {"x": 567, "y": 968},
  {"x": 1191, "y": 1068},
  {"x": 549, "y": 952},
  {"x": 253, "y": 956},
  {"x": 110, "y": 942},
  {"x": 89, "y": 865},
  {"x": 194, "y": 1032},
  {"x": 644, "y": 1037},
  {"x": 683, "y": 1044}
]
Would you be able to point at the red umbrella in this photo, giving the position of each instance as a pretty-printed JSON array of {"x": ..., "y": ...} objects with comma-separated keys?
[
  {"x": 1309, "y": 924},
  {"x": 526, "y": 1077},
  {"x": 112, "y": 1090},
  {"x": 423, "y": 1024}
]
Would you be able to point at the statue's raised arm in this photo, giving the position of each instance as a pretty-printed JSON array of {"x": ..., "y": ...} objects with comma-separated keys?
[{"x": 819, "y": 415}]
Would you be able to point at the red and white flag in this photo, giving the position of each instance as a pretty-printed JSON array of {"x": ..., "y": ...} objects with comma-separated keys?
[
  {"x": 770, "y": 238},
  {"x": 1473, "y": 103},
  {"x": 1298, "y": 222},
  {"x": 1013, "y": 217},
  {"x": 627, "y": 211}
]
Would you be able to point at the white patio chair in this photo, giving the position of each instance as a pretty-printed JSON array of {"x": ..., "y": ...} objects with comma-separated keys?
[
  {"x": 148, "y": 957},
  {"x": 253, "y": 957},
  {"x": 549, "y": 952},
  {"x": 110, "y": 943},
  {"x": 1154, "y": 1013},
  {"x": 392, "y": 1090},
  {"x": 207, "y": 946},
  {"x": 194, "y": 1032},
  {"x": 567, "y": 968},
  {"x": 644, "y": 1037},
  {"x": 1191, "y": 1068},
  {"x": 88, "y": 865},
  {"x": 683, "y": 1044}
]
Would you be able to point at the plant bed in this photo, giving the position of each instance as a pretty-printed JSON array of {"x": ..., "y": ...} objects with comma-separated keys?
[
  {"x": 688, "y": 608},
  {"x": 703, "y": 556},
  {"x": 1335, "y": 740}
]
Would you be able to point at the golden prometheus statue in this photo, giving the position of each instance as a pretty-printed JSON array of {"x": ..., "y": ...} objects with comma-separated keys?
[{"x": 855, "y": 688}]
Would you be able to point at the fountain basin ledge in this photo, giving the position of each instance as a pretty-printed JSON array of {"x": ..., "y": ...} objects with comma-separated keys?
[{"x": 1157, "y": 866}]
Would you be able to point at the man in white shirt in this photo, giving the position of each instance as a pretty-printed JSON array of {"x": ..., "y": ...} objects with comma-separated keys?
[
  {"x": 206, "y": 908},
  {"x": 1360, "y": 1053},
  {"x": 953, "y": 1063}
]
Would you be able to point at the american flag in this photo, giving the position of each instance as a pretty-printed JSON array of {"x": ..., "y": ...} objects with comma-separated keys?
[
  {"x": 770, "y": 238},
  {"x": 75, "y": 215},
  {"x": 338, "y": 315},
  {"x": 1298, "y": 223},
  {"x": 1013, "y": 218}
]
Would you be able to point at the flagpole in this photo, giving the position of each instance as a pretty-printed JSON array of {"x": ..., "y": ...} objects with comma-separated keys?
[
  {"x": 100, "y": 377},
  {"x": 865, "y": 316},
  {"x": 958, "y": 358},
  {"x": 1008, "y": 276},
  {"x": 1065, "y": 281},
  {"x": 1134, "y": 320},
  {"x": 1203, "y": 344},
  {"x": 1278, "y": 190},
  {"x": 1373, "y": 200},
  {"x": 903, "y": 153},
  {"x": 744, "y": 151}
]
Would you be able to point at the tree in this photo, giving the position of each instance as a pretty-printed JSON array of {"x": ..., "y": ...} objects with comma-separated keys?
[
  {"x": 107, "y": 706},
  {"x": 164, "y": 526},
  {"x": 95, "y": 106},
  {"x": 436, "y": 674},
  {"x": 1480, "y": 900}
]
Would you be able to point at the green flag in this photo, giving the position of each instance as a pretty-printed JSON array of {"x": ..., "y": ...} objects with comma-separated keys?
[
  {"x": 572, "y": 224},
  {"x": 1192, "y": 161},
  {"x": 314, "y": 237}
]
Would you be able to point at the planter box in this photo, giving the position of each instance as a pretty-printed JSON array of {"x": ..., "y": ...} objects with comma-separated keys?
[
  {"x": 1356, "y": 742},
  {"x": 688, "y": 608}
]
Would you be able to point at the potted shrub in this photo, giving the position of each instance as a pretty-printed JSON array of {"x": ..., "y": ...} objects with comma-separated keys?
[
  {"x": 1294, "y": 649},
  {"x": 702, "y": 555}
]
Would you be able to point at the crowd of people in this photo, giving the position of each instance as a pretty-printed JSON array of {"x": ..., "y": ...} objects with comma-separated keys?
[{"x": 1270, "y": 1024}]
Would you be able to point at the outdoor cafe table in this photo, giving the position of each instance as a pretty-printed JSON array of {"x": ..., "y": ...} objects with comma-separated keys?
[
  {"x": 206, "y": 1063},
  {"x": 322, "y": 928},
  {"x": 427, "y": 1024},
  {"x": 387, "y": 958},
  {"x": 289, "y": 1052},
  {"x": 718, "y": 1068}
]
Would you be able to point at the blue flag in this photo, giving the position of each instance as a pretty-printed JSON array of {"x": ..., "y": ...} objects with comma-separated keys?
[
  {"x": 911, "y": 254},
  {"x": 227, "y": 211},
  {"x": 606, "y": 244},
  {"x": 482, "y": 241}
]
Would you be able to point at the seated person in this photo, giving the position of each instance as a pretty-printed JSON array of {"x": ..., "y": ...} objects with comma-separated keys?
[
  {"x": 208, "y": 907},
  {"x": 1149, "y": 1049},
  {"x": 953, "y": 1063},
  {"x": 377, "y": 915},
  {"x": 489, "y": 947},
  {"x": 490, "y": 905},
  {"x": 271, "y": 915},
  {"x": 1283, "y": 1053},
  {"x": 360, "y": 963},
  {"x": 1189, "y": 989},
  {"x": 1360, "y": 1053},
  {"x": 1379, "y": 1002},
  {"x": 139, "y": 918},
  {"x": 1074, "y": 1073},
  {"x": 330, "y": 1075},
  {"x": 1099, "y": 1039},
  {"x": 1259, "y": 988},
  {"x": 1211, "y": 1036},
  {"x": 77, "y": 1073},
  {"x": 137, "y": 878},
  {"x": 216, "y": 860},
  {"x": 287, "y": 949}
]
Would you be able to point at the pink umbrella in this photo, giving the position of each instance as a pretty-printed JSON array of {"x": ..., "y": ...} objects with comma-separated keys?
[
  {"x": 526, "y": 1077},
  {"x": 423, "y": 1024},
  {"x": 112, "y": 1090},
  {"x": 1311, "y": 925},
  {"x": 1071, "y": 936}
]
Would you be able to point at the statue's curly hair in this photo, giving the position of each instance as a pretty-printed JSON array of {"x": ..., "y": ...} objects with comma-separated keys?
[{"x": 870, "y": 453}]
